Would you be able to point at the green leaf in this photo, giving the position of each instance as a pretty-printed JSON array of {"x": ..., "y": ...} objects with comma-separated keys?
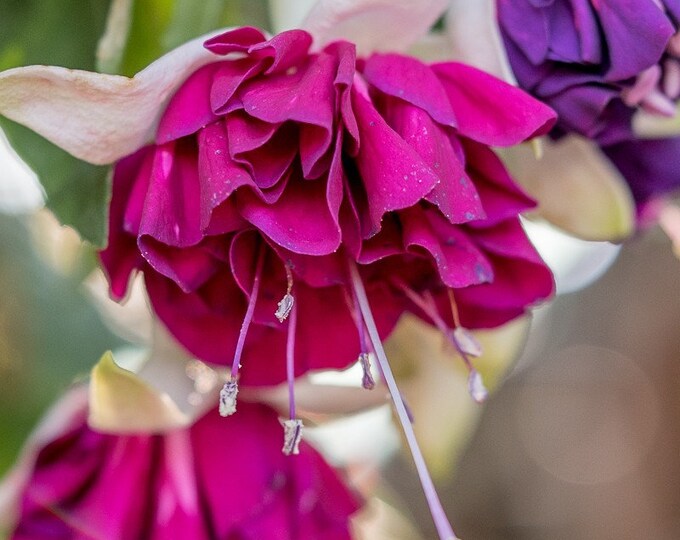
[
  {"x": 78, "y": 193},
  {"x": 62, "y": 33}
]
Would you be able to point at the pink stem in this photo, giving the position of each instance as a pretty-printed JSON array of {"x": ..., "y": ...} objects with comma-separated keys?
[
  {"x": 290, "y": 360},
  {"x": 249, "y": 315}
]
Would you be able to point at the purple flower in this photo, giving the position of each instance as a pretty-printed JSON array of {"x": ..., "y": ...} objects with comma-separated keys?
[
  {"x": 274, "y": 172},
  {"x": 650, "y": 166},
  {"x": 595, "y": 62},
  {"x": 218, "y": 479}
]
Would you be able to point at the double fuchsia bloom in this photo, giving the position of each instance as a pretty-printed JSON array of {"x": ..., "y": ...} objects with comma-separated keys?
[
  {"x": 595, "y": 63},
  {"x": 218, "y": 479},
  {"x": 275, "y": 169}
]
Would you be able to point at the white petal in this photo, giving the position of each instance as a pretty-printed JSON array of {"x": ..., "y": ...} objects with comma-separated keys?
[
  {"x": 288, "y": 14},
  {"x": 577, "y": 188},
  {"x": 20, "y": 191},
  {"x": 66, "y": 414},
  {"x": 373, "y": 25},
  {"x": 96, "y": 117},
  {"x": 476, "y": 39}
]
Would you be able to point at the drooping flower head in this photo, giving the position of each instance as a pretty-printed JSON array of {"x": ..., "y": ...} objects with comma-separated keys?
[
  {"x": 216, "y": 479},
  {"x": 275, "y": 169},
  {"x": 595, "y": 63}
]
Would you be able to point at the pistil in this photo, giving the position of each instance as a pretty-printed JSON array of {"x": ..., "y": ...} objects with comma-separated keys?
[{"x": 438, "y": 515}]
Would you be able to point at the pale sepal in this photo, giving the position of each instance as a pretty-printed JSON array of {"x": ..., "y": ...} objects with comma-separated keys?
[
  {"x": 96, "y": 117},
  {"x": 111, "y": 46},
  {"x": 373, "y": 25},
  {"x": 577, "y": 188},
  {"x": 166, "y": 393},
  {"x": 475, "y": 37},
  {"x": 434, "y": 380}
]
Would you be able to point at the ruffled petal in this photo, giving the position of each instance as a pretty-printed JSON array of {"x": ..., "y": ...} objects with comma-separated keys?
[{"x": 490, "y": 110}]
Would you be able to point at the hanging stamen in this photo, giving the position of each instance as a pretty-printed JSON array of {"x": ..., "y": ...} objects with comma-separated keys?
[
  {"x": 463, "y": 340},
  {"x": 367, "y": 381},
  {"x": 440, "y": 520},
  {"x": 292, "y": 428},
  {"x": 285, "y": 306},
  {"x": 230, "y": 389}
]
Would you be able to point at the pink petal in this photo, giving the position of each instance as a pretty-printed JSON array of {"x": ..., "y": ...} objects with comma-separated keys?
[
  {"x": 489, "y": 110},
  {"x": 189, "y": 109},
  {"x": 393, "y": 174},
  {"x": 409, "y": 79}
]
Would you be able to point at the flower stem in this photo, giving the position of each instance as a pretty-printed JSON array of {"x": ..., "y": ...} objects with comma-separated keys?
[{"x": 438, "y": 515}]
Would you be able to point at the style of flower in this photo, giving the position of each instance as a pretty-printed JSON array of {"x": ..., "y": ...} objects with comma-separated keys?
[
  {"x": 594, "y": 62},
  {"x": 217, "y": 479}
]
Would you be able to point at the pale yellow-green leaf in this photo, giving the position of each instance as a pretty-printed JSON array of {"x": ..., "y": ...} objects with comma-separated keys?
[
  {"x": 433, "y": 379},
  {"x": 576, "y": 187}
]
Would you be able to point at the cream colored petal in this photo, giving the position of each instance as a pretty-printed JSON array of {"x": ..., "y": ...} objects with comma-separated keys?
[
  {"x": 475, "y": 38},
  {"x": 169, "y": 391},
  {"x": 577, "y": 188},
  {"x": 654, "y": 126},
  {"x": 433, "y": 379},
  {"x": 374, "y": 25},
  {"x": 669, "y": 221},
  {"x": 96, "y": 117}
]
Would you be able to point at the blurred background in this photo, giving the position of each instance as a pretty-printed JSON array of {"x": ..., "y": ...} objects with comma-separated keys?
[{"x": 580, "y": 439}]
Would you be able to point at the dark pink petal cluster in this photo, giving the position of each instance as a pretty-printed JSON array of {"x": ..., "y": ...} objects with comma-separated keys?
[
  {"x": 220, "y": 479},
  {"x": 275, "y": 167}
]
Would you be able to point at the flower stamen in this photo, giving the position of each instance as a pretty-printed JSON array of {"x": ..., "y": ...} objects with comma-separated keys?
[
  {"x": 292, "y": 428},
  {"x": 462, "y": 339},
  {"x": 438, "y": 515},
  {"x": 230, "y": 389}
]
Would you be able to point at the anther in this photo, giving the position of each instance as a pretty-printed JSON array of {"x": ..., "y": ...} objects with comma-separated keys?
[
  {"x": 230, "y": 389},
  {"x": 228, "y": 398},
  {"x": 285, "y": 305},
  {"x": 367, "y": 380},
  {"x": 292, "y": 435}
]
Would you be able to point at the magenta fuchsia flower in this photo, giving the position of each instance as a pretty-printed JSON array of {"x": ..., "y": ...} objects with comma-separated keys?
[
  {"x": 218, "y": 479},
  {"x": 295, "y": 201},
  {"x": 250, "y": 195},
  {"x": 595, "y": 62}
]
